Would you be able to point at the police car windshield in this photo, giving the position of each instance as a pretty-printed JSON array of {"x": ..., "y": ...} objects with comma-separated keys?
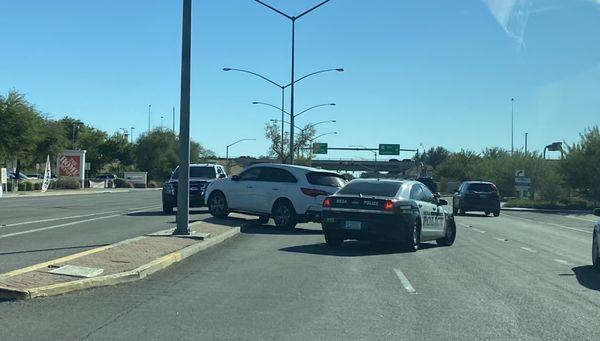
[
  {"x": 371, "y": 188},
  {"x": 198, "y": 172}
]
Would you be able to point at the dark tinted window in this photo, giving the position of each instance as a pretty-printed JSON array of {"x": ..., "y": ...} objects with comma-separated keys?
[
  {"x": 198, "y": 172},
  {"x": 325, "y": 179},
  {"x": 481, "y": 187},
  {"x": 251, "y": 174},
  {"x": 372, "y": 188},
  {"x": 276, "y": 175},
  {"x": 427, "y": 194}
]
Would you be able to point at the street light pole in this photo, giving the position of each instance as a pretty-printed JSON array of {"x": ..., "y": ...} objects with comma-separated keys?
[
  {"x": 132, "y": 128},
  {"x": 526, "y": 143},
  {"x": 149, "y": 107},
  {"x": 183, "y": 193},
  {"x": 292, "y": 81},
  {"x": 231, "y": 144},
  {"x": 512, "y": 125}
]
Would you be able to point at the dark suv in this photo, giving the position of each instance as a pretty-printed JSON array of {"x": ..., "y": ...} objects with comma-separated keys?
[
  {"x": 477, "y": 196},
  {"x": 200, "y": 176}
]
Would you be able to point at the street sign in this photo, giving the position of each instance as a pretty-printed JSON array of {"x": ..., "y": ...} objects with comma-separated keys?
[
  {"x": 389, "y": 149},
  {"x": 3, "y": 176},
  {"x": 320, "y": 148},
  {"x": 522, "y": 180},
  {"x": 519, "y": 172},
  {"x": 522, "y": 187}
]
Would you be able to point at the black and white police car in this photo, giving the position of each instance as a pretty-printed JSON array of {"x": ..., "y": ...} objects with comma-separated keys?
[{"x": 387, "y": 210}]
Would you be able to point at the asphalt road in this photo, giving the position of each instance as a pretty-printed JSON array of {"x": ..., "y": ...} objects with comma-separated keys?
[
  {"x": 37, "y": 229},
  {"x": 522, "y": 276}
]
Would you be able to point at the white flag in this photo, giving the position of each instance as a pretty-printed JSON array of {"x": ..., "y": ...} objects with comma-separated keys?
[{"x": 47, "y": 175}]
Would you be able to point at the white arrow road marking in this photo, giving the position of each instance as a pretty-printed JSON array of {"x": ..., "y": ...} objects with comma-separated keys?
[
  {"x": 562, "y": 261},
  {"x": 73, "y": 223},
  {"x": 405, "y": 282}
]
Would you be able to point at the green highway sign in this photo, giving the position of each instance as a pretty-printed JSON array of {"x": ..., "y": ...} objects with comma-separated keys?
[
  {"x": 320, "y": 148},
  {"x": 389, "y": 149}
]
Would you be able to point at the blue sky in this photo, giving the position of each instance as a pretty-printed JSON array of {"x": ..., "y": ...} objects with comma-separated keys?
[{"x": 430, "y": 72}]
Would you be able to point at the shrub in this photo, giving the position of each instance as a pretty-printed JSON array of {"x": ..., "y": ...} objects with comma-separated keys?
[
  {"x": 121, "y": 183},
  {"x": 37, "y": 186},
  {"x": 28, "y": 186},
  {"x": 52, "y": 184},
  {"x": 22, "y": 187},
  {"x": 68, "y": 183}
]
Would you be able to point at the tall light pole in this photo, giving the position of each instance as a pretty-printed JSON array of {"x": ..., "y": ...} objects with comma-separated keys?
[
  {"x": 75, "y": 126},
  {"x": 310, "y": 125},
  {"x": 292, "y": 81},
  {"x": 374, "y": 153},
  {"x": 526, "y": 143},
  {"x": 282, "y": 87},
  {"x": 131, "y": 129},
  {"x": 231, "y": 144},
  {"x": 183, "y": 192},
  {"x": 325, "y": 134},
  {"x": 512, "y": 126},
  {"x": 149, "y": 108},
  {"x": 173, "y": 120},
  {"x": 161, "y": 122}
]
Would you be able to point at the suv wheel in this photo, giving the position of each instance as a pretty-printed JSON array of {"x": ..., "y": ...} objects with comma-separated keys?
[
  {"x": 167, "y": 209},
  {"x": 284, "y": 215},
  {"x": 217, "y": 205},
  {"x": 332, "y": 241},
  {"x": 263, "y": 219}
]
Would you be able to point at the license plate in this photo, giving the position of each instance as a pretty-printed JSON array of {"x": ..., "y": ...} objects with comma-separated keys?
[{"x": 353, "y": 225}]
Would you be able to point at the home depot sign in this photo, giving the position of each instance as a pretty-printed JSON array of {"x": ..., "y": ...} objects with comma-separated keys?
[{"x": 70, "y": 164}]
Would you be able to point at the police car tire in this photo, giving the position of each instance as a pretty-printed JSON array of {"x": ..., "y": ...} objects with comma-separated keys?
[
  {"x": 167, "y": 209},
  {"x": 448, "y": 239},
  {"x": 497, "y": 214},
  {"x": 332, "y": 241},
  {"x": 411, "y": 245}
]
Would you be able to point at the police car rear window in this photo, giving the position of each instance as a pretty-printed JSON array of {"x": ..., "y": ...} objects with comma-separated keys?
[{"x": 379, "y": 189}]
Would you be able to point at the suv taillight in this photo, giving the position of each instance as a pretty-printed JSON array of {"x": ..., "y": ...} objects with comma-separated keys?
[{"x": 313, "y": 192}]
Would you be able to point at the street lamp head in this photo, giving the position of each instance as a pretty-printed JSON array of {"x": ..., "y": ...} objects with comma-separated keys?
[
  {"x": 339, "y": 70},
  {"x": 254, "y": 102},
  {"x": 333, "y": 121},
  {"x": 226, "y": 69},
  {"x": 335, "y": 133},
  {"x": 331, "y": 103}
]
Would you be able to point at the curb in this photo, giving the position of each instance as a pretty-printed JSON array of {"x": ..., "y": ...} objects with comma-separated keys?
[
  {"x": 140, "y": 272},
  {"x": 544, "y": 210}
]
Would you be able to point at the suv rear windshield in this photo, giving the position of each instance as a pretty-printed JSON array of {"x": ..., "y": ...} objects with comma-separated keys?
[
  {"x": 325, "y": 179},
  {"x": 198, "y": 172},
  {"x": 481, "y": 188},
  {"x": 372, "y": 188}
]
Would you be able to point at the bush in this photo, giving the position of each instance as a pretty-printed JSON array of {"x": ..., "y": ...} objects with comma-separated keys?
[
  {"x": 121, "y": 183},
  {"x": 22, "y": 187},
  {"x": 68, "y": 183},
  {"x": 29, "y": 186},
  {"x": 52, "y": 184},
  {"x": 37, "y": 186}
]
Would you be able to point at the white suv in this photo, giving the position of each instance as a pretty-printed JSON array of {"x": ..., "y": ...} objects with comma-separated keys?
[{"x": 288, "y": 194}]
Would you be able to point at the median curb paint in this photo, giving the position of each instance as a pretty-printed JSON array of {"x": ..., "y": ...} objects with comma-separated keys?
[{"x": 138, "y": 273}]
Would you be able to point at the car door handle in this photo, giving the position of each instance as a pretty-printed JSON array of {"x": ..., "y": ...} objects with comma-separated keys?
[
  {"x": 275, "y": 189},
  {"x": 249, "y": 186}
]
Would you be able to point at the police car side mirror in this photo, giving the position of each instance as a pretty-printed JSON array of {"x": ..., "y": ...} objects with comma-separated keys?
[{"x": 442, "y": 202}]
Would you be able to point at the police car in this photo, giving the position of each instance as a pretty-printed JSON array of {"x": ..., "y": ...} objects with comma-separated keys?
[{"x": 406, "y": 212}]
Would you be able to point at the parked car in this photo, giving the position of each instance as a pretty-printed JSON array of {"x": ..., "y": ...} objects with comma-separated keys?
[
  {"x": 478, "y": 196},
  {"x": 288, "y": 194},
  {"x": 12, "y": 176},
  {"x": 389, "y": 210},
  {"x": 200, "y": 176},
  {"x": 35, "y": 176},
  {"x": 596, "y": 243},
  {"x": 106, "y": 177}
]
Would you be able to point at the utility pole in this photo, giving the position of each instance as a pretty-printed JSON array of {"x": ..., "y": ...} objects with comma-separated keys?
[
  {"x": 173, "y": 120},
  {"x": 149, "y": 107},
  {"x": 183, "y": 192},
  {"x": 526, "y": 143},
  {"x": 132, "y": 128}
]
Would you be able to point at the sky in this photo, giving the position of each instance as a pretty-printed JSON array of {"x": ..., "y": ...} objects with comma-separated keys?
[{"x": 419, "y": 73}]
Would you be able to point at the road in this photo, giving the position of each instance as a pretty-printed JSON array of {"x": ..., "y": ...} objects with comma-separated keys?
[
  {"x": 521, "y": 276},
  {"x": 36, "y": 229}
]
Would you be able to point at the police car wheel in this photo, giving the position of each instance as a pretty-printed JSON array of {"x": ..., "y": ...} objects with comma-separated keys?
[
  {"x": 413, "y": 238},
  {"x": 167, "y": 209},
  {"x": 450, "y": 235},
  {"x": 332, "y": 241},
  {"x": 497, "y": 214}
]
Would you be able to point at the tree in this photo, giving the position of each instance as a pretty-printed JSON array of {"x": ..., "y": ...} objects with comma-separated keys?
[
  {"x": 459, "y": 166},
  {"x": 157, "y": 153},
  {"x": 199, "y": 154},
  {"x": 19, "y": 129},
  {"x": 118, "y": 152},
  {"x": 581, "y": 165},
  {"x": 435, "y": 156},
  {"x": 303, "y": 140}
]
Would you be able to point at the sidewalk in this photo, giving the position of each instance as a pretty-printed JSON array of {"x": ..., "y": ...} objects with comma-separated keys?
[
  {"x": 55, "y": 192},
  {"x": 122, "y": 262}
]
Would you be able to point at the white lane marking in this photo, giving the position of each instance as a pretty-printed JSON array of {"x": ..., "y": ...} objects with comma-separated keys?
[
  {"x": 581, "y": 218},
  {"x": 552, "y": 224},
  {"x": 562, "y": 261},
  {"x": 465, "y": 225},
  {"x": 72, "y": 223},
  {"x": 528, "y": 249},
  {"x": 502, "y": 239},
  {"x": 480, "y": 231},
  {"x": 405, "y": 282},
  {"x": 64, "y": 218}
]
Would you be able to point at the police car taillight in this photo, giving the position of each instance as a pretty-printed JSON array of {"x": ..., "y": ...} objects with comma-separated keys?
[
  {"x": 327, "y": 202},
  {"x": 388, "y": 205}
]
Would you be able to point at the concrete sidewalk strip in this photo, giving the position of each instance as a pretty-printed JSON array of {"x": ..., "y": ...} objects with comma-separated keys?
[
  {"x": 50, "y": 193},
  {"x": 122, "y": 262}
]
